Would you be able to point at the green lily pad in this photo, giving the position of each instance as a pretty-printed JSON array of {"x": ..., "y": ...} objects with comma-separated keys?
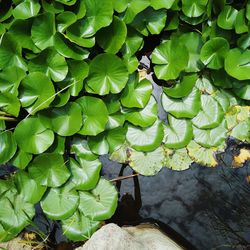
[
  {"x": 8, "y": 146},
  {"x": 237, "y": 64},
  {"x": 150, "y": 21},
  {"x": 67, "y": 2},
  {"x": 64, "y": 20},
  {"x": 187, "y": 107},
  {"x": 107, "y": 73},
  {"x": 177, "y": 160},
  {"x": 201, "y": 155},
  {"x": 35, "y": 97},
  {"x": 79, "y": 146},
  {"x": 27, "y": 188},
  {"x": 43, "y": 30},
  {"x": 145, "y": 139},
  {"x": 170, "y": 57},
  {"x": 85, "y": 174},
  {"x": 144, "y": 117},
  {"x": 210, "y": 137},
  {"x": 214, "y": 51},
  {"x": 95, "y": 115},
  {"x": 227, "y": 17},
  {"x": 241, "y": 131},
  {"x": 15, "y": 214},
  {"x": 10, "y": 53},
  {"x": 49, "y": 170},
  {"x": 68, "y": 49},
  {"x": 162, "y": 4},
  {"x": 9, "y": 103},
  {"x": 120, "y": 154},
  {"x": 240, "y": 22},
  {"x": 67, "y": 120},
  {"x": 194, "y": 8},
  {"x": 78, "y": 227},
  {"x": 32, "y": 136},
  {"x": 210, "y": 115},
  {"x": 26, "y": 9},
  {"x": 101, "y": 202},
  {"x": 50, "y": 63},
  {"x": 21, "y": 159},
  {"x": 147, "y": 164},
  {"x": 136, "y": 93},
  {"x": 112, "y": 38},
  {"x": 182, "y": 87},
  {"x": 178, "y": 133},
  {"x": 65, "y": 201}
]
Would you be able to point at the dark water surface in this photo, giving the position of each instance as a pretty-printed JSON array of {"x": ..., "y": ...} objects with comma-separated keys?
[{"x": 210, "y": 207}]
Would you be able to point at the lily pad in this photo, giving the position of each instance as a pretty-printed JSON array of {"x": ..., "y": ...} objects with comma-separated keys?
[
  {"x": 35, "y": 97},
  {"x": 85, "y": 174},
  {"x": 9, "y": 103},
  {"x": 50, "y": 63},
  {"x": 95, "y": 115},
  {"x": 213, "y": 52},
  {"x": 107, "y": 73},
  {"x": 136, "y": 93},
  {"x": 21, "y": 159},
  {"x": 187, "y": 107},
  {"x": 227, "y": 17},
  {"x": 101, "y": 202},
  {"x": 145, "y": 139},
  {"x": 112, "y": 38},
  {"x": 194, "y": 8},
  {"x": 43, "y": 30},
  {"x": 26, "y": 9},
  {"x": 178, "y": 133},
  {"x": 183, "y": 87},
  {"x": 147, "y": 164},
  {"x": 211, "y": 137},
  {"x": 32, "y": 136},
  {"x": 237, "y": 64},
  {"x": 8, "y": 146},
  {"x": 65, "y": 201},
  {"x": 78, "y": 227},
  {"x": 210, "y": 115},
  {"x": 66, "y": 120},
  {"x": 170, "y": 57},
  {"x": 49, "y": 170},
  {"x": 177, "y": 160}
]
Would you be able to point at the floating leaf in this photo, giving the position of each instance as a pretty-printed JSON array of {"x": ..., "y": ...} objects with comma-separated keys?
[
  {"x": 66, "y": 120},
  {"x": 136, "y": 93},
  {"x": 49, "y": 170},
  {"x": 64, "y": 20},
  {"x": 65, "y": 201},
  {"x": 240, "y": 23},
  {"x": 78, "y": 227},
  {"x": 50, "y": 63},
  {"x": 187, "y": 107},
  {"x": 101, "y": 202},
  {"x": 95, "y": 115},
  {"x": 43, "y": 30},
  {"x": 10, "y": 53},
  {"x": 85, "y": 174},
  {"x": 9, "y": 103},
  {"x": 178, "y": 160},
  {"x": 147, "y": 164},
  {"x": 28, "y": 189},
  {"x": 112, "y": 38},
  {"x": 32, "y": 136},
  {"x": 35, "y": 97},
  {"x": 194, "y": 8},
  {"x": 241, "y": 131},
  {"x": 213, "y": 52},
  {"x": 227, "y": 17},
  {"x": 210, "y": 137},
  {"x": 7, "y": 145},
  {"x": 237, "y": 64},
  {"x": 183, "y": 87},
  {"x": 144, "y": 117},
  {"x": 145, "y": 139},
  {"x": 178, "y": 133},
  {"x": 162, "y": 4},
  {"x": 170, "y": 58},
  {"x": 21, "y": 159},
  {"x": 107, "y": 73},
  {"x": 26, "y": 9},
  {"x": 201, "y": 155}
]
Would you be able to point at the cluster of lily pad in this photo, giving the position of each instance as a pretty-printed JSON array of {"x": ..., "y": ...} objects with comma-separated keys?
[{"x": 70, "y": 92}]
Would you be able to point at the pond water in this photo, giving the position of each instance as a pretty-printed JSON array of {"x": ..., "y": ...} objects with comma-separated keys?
[{"x": 209, "y": 207}]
